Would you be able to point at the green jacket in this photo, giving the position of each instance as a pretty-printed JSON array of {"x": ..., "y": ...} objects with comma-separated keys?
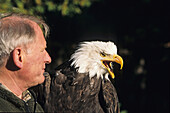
[{"x": 11, "y": 103}]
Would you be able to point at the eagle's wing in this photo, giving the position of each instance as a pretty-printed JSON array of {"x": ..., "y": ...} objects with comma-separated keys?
[
  {"x": 73, "y": 92},
  {"x": 111, "y": 103}
]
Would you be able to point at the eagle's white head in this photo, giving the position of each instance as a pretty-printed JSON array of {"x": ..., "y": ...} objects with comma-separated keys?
[{"x": 96, "y": 58}]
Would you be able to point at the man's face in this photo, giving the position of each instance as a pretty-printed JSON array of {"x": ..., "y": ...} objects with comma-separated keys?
[{"x": 35, "y": 60}]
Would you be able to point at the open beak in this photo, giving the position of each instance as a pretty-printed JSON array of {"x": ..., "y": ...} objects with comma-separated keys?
[{"x": 109, "y": 61}]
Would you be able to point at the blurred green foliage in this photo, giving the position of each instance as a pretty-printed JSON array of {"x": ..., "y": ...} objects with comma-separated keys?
[
  {"x": 65, "y": 7},
  {"x": 124, "y": 111}
]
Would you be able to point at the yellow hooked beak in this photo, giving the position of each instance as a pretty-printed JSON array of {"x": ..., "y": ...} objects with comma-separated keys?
[{"x": 108, "y": 63}]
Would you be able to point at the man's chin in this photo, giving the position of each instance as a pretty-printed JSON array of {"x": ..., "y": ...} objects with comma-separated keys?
[{"x": 41, "y": 79}]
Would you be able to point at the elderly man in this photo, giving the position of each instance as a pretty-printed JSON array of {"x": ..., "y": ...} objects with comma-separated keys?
[{"x": 23, "y": 57}]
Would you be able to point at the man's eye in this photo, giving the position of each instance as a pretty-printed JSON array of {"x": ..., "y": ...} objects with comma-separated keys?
[{"x": 42, "y": 50}]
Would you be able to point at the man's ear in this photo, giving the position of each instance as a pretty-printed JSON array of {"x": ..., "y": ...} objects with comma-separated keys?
[{"x": 18, "y": 57}]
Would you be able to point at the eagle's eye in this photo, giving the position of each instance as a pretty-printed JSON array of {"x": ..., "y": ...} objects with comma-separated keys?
[{"x": 102, "y": 54}]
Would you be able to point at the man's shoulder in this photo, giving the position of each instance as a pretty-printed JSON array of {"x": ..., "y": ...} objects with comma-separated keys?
[
  {"x": 7, "y": 106},
  {"x": 9, "y": 102}
]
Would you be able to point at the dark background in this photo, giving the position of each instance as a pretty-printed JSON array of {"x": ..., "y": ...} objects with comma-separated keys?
[{"x": 140, "y": 30}]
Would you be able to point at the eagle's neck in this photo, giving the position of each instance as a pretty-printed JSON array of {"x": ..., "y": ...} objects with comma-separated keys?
[{"x": 89, "y": 66}]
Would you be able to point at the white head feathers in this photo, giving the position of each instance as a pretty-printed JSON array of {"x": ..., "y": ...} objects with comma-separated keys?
[{"x": 87, "y": 57}]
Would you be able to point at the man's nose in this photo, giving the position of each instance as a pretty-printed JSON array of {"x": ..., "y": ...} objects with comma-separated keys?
[{"x": 47, "y": 58}]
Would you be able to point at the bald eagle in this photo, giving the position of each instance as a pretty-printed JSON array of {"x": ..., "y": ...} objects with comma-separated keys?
[{"x": 82, "y": 84}]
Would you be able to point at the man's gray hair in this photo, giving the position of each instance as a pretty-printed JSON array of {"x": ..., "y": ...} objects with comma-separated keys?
[{"x": 17, "y": 30}]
